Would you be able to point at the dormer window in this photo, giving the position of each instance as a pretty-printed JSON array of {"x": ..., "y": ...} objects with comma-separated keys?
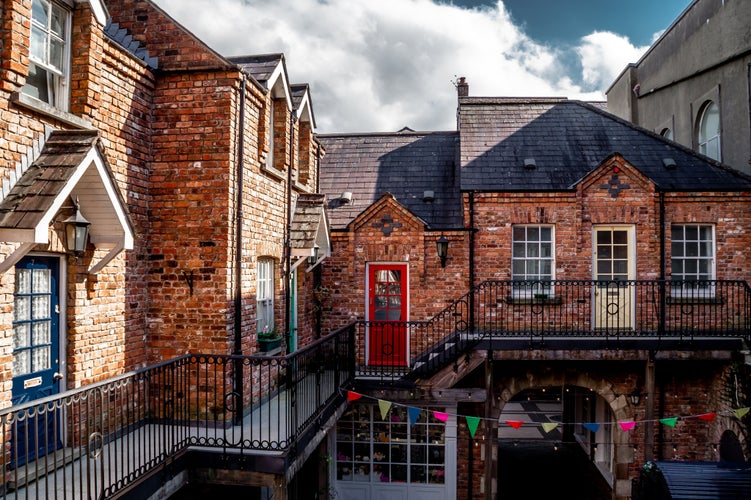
[{"x": 49, "y": 65}]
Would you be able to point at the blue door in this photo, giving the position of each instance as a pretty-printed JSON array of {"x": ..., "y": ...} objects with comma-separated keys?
[{"x": 36, "y": 359}]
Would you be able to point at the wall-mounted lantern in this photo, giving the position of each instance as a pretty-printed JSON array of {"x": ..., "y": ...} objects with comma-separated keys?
[
  {"x": 314, "y": 257},
  {"x": 635, "y": 398},
  {"x": 76, "y": 232},
  {"x": 442, "y": 248}
]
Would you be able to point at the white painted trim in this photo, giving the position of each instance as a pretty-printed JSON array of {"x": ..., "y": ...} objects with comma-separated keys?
[
  {"x": 97, "y": 7},
  {"x": 277, "y": 74}
]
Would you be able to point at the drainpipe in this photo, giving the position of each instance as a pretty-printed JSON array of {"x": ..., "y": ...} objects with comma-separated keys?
[
  {"x": 472, "y": 259},
  {"x": 238, "y": 368},
  {"x": 288, "y": 235}
]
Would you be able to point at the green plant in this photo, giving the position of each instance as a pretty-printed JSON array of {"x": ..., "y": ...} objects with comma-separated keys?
[{"x": 269, "y": 333}]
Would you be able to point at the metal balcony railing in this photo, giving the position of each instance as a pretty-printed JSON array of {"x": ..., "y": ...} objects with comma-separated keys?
[
  {"x": 541, "y": 312},
  {"x": 99, "y": 440}
]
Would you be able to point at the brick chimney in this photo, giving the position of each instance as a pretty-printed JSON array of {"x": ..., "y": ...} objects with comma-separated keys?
[{"x": 462, "y": 87}]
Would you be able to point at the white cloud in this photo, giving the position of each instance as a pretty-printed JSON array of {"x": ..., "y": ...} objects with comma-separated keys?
[
  {"x": 604, "y": 55},
  {"x": 379, "y": 66}
]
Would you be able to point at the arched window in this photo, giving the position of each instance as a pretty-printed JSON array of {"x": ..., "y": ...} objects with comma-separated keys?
[
  {"x": 709, "y": 131},
  {"x": 667, "y": 133}
]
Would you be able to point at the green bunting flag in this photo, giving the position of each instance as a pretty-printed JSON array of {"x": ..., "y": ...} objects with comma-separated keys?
[
  {"x": 385, "y": 406},
  {"x": 472, "y": 423},
  {"x": 741, "y": 412},
  {"x": 670, "y": 422}
]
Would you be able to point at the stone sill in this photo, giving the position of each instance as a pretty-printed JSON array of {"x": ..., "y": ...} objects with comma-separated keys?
[{"x": 33, "y": 104}]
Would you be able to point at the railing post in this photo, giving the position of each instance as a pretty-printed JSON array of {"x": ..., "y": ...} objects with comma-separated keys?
[{"x": 663, "y": 311}]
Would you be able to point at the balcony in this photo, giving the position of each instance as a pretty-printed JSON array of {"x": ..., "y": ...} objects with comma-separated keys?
[{"x": 261, "y": 413}]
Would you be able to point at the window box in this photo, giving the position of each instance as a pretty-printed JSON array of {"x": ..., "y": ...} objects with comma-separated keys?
[{"x": 269, "y": 344}]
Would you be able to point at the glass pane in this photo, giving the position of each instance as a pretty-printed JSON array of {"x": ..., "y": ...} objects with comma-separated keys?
[
  {"x": 395, "y": 289},
  {"x": 705, "y": 233},
  {"x": 620, "y": 252},
  {"x": 41, "y": 281},
  {"x": 23, "y": 280},
  {"x": 38, "y": 45},
  {"x": 620, "y": 237},
  {"x": 398, "y": 473},
  {"x": 436, "y": 455},
  {"x": 533, "y": 234},
  {"x": 533, "y": 250},
  {"x": 21, "y": 363},
  {"x": 546, "y": 250},
  {"x": 381, "y": 289},
  {"x": 676, "y": 232},
  {"x": 603, "y": 267},
  {"x": 22, "y": 308},
  {"x": 40, "y": 307},
  {"x": 677, "y": 249},
  {"x": 676, "y": 269},
  {"x": 546, "y": 234},
  {"x": 518, "y": 249},
  {"x": 41, "y": 333},
  {"x": 57, "y": 48},
  {"x": 604, "y": 251},
  {"x": 437, "y": 475},
  {"x": 705, "y": 249},
  {"x": 710, "y": 122},
  {"x": 57, "y": 22},
  {"x": 41, "y": 358},
  {"x": 518, "y": 234},
  {"x": 620, "y": 267},
  {"x": 690, "y": 266},
  {"x": 382, "y": 275},
  {"x": 546, "y": 269},
  {"x": 419, "y": 474},
  {"x": 395, "y": 276},
  {"x": 380, "y": 301},
  {"x": 692, "y": 249},
  {"x": 692, "y": 232},
  {"x": 21, "y": 336},
  {"x": 603, "y": 237},
  {"x": 517, "y": 267},
  {"x": 39, "y": 10},
  {"x": 395, "y": 315}
]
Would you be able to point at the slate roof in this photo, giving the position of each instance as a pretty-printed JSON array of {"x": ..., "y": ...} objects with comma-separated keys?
[
  {"x": 568, "y": 139},
  {"x": 405, "y": 164},
  {"x": 123, "y": 38},
  {"x": 34, "y": 193},
  {"x": 260, "y": 67}
]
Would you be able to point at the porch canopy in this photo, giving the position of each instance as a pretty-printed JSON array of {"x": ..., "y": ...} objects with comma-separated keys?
[{"x": 69, "y": 167}]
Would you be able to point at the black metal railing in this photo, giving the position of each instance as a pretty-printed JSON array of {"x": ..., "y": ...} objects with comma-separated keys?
[
  {"x": 563, "y": 309},
  {"x": 96, "y": 441}
]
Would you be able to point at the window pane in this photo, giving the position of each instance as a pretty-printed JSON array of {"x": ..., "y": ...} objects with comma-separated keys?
[
  {"x": 21, "y": 363},
  {"x": 41, "y": 333},
  {"x": 23, "y": 280},
  {"x": 41, "y": 358},
  {"x": 21, "y": 336},
  {"x": 41, "y": 281},
  {"x": 38, "y": 44},
  {"x": 39, "y": 10},
  {"x": 518, "y": 249},
  {"x": 620, "y": 252},
  {"x": 546, "y": 234},
  {"x": 57, "y": 21},
  {"x": 22, "y": 309},
  {"x": 620, "y": 237},
  {"x": 533, "y": 250},
  {"x": 546, "y": 250},
  {"x": 57, "y": 54},
  {"x": 40, "y": 307}
]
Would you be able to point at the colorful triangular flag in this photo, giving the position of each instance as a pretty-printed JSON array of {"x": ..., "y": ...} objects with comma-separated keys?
[
  {"x": 385, "y": 406},
  {"x": 708, "y": 417},
  {"x": 670, "y": 422},
  {"x": 627, "y": 426},
  {"x": 414, "y": 414},
  {"x": 472, "y": 423},
  {"x": 441, "y": 416},
  {"x": 353, "y": 396},
  {"x": 741, "y": 412},
  {"x": 549, "y": 426},
  {"x": 514, "y": 423},
  {"x": 591, "y": 427}
]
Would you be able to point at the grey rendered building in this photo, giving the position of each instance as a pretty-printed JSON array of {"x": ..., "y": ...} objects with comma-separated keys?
[{"x": 693, "y": 85}]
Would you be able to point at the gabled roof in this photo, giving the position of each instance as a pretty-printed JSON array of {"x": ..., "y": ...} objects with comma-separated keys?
[
  {"x": 70, "y": 166},
  {"x": 568, "y": 139},
  {"x": 270, "y": 70},
  {"x": 405, "y": 164},
  {"x": 302, "y": 103},
  {"x": 309, "y": 228}
]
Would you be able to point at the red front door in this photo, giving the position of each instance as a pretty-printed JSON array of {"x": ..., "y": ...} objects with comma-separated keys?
[{"x": 387, "y": 312}]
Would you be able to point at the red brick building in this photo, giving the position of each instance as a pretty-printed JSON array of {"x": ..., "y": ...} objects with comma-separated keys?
[{"x": 585, "y": 256}]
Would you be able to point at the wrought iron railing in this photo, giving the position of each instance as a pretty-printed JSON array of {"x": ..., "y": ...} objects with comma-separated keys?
[
  {"x": 562, "y": 309},
  {"x": 99, "y": 440}
]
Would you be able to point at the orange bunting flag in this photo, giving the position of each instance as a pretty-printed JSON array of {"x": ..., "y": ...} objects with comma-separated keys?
[
  {"x": 353, "y": 396},
  {"x": 549, "y": 426},
  {"x": 439, "y": 415},
  {"x": 741, "y": 412},
  {"x": 627, "y": 426},
  {"x": 709, "y": 417},
  {"x": 514, "y": 423}
]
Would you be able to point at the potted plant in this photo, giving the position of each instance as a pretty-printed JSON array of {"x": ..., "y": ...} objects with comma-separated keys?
[{"x": 269, "y": 339}]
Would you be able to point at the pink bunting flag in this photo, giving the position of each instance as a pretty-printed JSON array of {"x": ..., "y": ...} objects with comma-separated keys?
[
  {"x": 627, "y": 426},
  {"x": 514, "y": 423},
  {"x": 439, "y": 415},
  {"x": 708, "y": 417},
  {"x": 353, "y": 396}
]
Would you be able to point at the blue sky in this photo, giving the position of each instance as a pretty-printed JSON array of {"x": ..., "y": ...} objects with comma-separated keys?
[{"x": 380, "y": 65}]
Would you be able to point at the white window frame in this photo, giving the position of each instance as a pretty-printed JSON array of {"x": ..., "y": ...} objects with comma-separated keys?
[
  {"x": 57, "y": 78},
  {"x": 709, "y": 145},
  {"x": 685, "y": 290},
  {"x": 265, "y": 294},
  {"x": 537, "y": 290},
  {"x": 270, "y": 135}
]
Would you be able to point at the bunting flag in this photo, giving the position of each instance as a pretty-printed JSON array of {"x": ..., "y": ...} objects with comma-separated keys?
[
  {"x": 472, "y": 423},
  {"x": 353, "y": 396},
  {"x": 670, "y": 422},
  {"x": 441, "y": 416},
  {"x": 708, "y": 417},
  {"x": 627, "y": 426},
  {"x": 414, "y": 414},
  {"x": 740, "y": 412},
  {"x": 591, "y": 427},
  {"x": 385, "y": 406},
  {"x": 514, "y": 423},
  {"x": 549, "y": 426}
]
